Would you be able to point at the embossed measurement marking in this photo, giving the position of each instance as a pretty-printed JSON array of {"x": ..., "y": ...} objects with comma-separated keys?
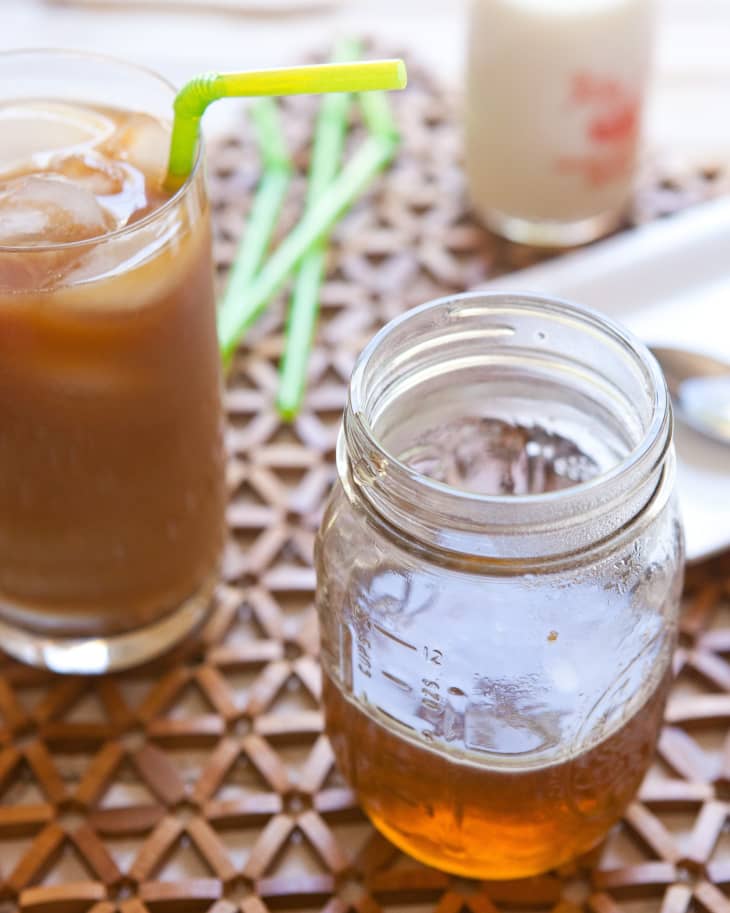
[
  {"x": 398, "y": 682},
  {"x": 399, "y": 640}
]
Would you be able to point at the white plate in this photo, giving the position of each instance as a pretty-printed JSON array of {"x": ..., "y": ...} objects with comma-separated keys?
[{"x": 669, "y": 283}]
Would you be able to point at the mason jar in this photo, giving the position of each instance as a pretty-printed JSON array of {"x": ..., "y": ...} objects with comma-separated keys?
[{"x": 499, "y": 573}]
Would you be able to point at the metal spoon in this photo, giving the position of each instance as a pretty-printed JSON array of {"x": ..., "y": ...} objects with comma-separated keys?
[{"x": 700, "y": 390}]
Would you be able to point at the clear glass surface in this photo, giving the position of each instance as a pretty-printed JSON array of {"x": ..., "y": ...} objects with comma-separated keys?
[
  {"x": 499, "y": 573},
  {"x": 553, "y": 114}
]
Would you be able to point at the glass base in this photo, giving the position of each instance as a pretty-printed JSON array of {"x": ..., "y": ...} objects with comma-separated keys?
[
  {"x": 98, "y": 655},
  {"x": 552, "y": 234}
]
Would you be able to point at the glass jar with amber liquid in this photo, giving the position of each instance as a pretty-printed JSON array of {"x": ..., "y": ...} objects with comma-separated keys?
[{"x": 499, "y": 573}]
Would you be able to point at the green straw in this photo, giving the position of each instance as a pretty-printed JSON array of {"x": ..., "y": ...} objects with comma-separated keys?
[
  {"x": 371, "y": 157},
  {"x": 267, "y": 203},
  {"x": 328, "y": 144},
  {"x": 378, "y": 116},
  {"x": 193, "y": 99}
]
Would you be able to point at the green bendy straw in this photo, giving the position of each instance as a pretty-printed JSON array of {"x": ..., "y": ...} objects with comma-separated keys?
[
  {"x": 370, "y": 158},
  {"x": 193, "y": 99},
  {"x": 329, "y": 141},
  {"x": 377, "y": 115},
  {"x": 267, "y": 202}
]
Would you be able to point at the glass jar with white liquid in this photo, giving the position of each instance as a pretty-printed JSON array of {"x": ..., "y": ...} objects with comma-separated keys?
[{"x": 555, "y": 94}]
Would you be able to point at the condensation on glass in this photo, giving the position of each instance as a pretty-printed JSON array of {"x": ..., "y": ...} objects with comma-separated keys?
[{"x": 499, "y": 572}]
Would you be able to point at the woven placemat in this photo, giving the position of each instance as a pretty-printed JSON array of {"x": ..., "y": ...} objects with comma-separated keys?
[{"x": 203, "y": 782}]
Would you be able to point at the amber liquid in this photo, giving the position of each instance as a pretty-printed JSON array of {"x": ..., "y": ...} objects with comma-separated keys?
[
  {"x": 111, "y": 458},
  {"x": 485, "y": 821}
]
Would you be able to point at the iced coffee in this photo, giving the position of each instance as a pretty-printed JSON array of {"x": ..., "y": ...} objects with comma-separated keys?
[{"x": 111, "y": 458}]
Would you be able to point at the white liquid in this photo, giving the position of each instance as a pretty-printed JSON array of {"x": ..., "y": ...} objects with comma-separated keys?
[{"x": 555, "y": 92}]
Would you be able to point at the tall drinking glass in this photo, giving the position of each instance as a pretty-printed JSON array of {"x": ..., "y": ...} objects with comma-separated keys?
[{"x": 111, "y": 457}]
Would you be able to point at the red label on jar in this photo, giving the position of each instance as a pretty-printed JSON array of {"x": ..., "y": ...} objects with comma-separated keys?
[{"x": 611, "y": 129}]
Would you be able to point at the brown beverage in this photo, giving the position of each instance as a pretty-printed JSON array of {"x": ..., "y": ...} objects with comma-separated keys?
[
  {"x": 111, "y": 459},
  {"x": 462, "y": 815}
]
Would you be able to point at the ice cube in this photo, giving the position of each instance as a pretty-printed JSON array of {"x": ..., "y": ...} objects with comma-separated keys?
[
  {"x": 509, "y": 729},
  {"x": 49, "y": 210},
  {"x": 31, "y": 131},
  {"x": 143, "y": 141},
  {"x": 94, "y": 172},
  {"x": 118, "y": 186}
]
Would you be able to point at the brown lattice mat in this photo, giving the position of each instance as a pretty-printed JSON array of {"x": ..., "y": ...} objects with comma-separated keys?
[{"x": 203, "y": 782}]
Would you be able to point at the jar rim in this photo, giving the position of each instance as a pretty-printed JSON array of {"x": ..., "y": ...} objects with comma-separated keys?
[
  {"x": 661, "y": 403},
  {"x": 504, "y": 526},
  {"x": 152, "y": 217}
]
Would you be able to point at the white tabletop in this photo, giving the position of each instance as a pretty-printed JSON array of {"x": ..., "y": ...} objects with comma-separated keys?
[{"x": 688, "y": 110}]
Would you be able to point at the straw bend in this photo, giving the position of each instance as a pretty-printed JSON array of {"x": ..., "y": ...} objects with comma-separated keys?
[
  {"x": 194, "y": 98},
  {"x": 197, "y": 94}
]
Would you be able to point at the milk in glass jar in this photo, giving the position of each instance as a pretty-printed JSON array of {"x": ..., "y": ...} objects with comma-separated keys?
[{"x": 555, "y": 94}]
